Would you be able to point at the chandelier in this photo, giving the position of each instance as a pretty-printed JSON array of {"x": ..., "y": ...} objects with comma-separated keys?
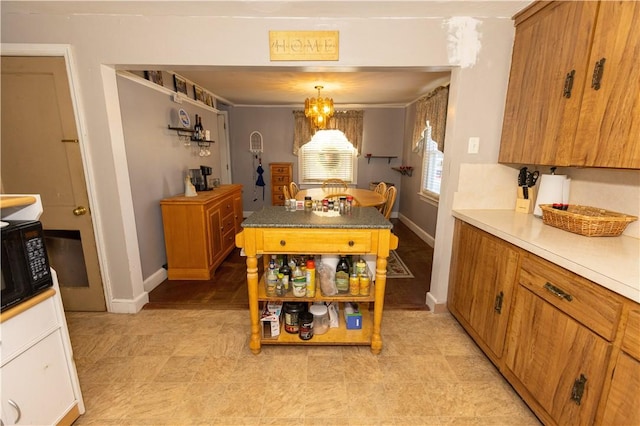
[{"x": 318, "y": 110}]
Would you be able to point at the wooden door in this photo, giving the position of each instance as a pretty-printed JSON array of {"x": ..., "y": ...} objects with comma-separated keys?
[
  {"x": 539, "y": 121},
  {"x": 609, "y": 125},
  {"x": 551, "y": 354},
  {"x": 484, "y": 272},
  {"x": 41, "y": 154}
]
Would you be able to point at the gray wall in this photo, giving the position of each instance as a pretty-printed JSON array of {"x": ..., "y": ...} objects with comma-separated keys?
[
  {"x": 157, "y": 160},
  {"x": 382, "y": 135}
]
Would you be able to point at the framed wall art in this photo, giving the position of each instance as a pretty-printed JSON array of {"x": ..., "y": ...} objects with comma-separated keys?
[
  {"x": 180, "y": 84},
  {"x": 154, "y": 76},
  {"x": 198, "y": 94},
  {"x": 209, "y": 99}
]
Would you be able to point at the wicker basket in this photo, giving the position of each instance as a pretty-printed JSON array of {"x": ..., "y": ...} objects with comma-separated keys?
[{"x": 588, "y": 221}]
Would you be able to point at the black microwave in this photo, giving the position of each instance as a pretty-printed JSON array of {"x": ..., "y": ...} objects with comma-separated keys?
[{"x": 25, "y": 263}]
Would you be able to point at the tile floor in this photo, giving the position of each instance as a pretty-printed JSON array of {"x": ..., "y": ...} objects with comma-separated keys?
[{"x": 193, "y": 367}]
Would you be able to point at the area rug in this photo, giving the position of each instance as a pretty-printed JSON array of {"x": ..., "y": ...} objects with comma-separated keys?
[{"x": 396, "y": 267}]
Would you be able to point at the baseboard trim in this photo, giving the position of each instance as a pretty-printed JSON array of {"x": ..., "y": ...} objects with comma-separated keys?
[
  {"x": 129, "y": 306},
  {"x": 419, "y": 231},
  {"x": 434, "y": 306},
  {"x": 154, "y": 280}
]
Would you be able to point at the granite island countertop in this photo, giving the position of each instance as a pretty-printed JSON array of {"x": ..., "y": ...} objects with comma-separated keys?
[
  {"x": 278, "y": 217},
  {"x": 612, "y": 262}
]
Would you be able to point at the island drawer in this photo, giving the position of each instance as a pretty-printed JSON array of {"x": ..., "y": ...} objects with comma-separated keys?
[
  {"x": 316, "y": 241},
  {"x": 587, "y": 302}
]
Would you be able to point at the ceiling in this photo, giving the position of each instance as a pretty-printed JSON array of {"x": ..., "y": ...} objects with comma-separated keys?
[{"x": 258, "y": 87}]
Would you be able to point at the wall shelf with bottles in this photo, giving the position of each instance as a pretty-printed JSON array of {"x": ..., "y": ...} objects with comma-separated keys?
[{"x": 388, "y": 157}]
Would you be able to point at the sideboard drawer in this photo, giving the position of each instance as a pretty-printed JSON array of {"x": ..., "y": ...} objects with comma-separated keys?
[
  {"x": 316, "y": 241},
  {"x": 587, "y": 302}
]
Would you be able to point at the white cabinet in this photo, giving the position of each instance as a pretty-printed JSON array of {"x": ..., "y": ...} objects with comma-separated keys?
[
  {"x": 38, "y": 377},
  {"x": 36, "y": 386}
]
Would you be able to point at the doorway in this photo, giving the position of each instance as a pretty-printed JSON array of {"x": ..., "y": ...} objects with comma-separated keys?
[{"x": 41, "y": 154}]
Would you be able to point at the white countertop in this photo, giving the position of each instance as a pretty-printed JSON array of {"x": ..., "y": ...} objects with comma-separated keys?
[{"x": 612, "y": 262}]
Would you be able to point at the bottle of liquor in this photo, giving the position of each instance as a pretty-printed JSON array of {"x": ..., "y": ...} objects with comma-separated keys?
[
  {"x": 285, "y": 270},
  {"x": 197, "y": 134},
  {"x": 342, "y": 275},
  {"x": 272, "y": 279}
]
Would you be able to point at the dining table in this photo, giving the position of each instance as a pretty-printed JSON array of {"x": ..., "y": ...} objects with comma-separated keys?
[{"x": 363, "y": 197}]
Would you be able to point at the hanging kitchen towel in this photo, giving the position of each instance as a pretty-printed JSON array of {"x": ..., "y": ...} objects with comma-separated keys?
[{"x": 553, "y": 189}]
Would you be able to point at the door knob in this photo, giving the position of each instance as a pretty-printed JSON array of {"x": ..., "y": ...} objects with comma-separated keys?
[{"x": 79, "y": 211}]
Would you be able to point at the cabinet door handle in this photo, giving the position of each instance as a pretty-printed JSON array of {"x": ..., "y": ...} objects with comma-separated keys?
[
  {"x": 568, "y": 84},
  {"x": 597, "y": 74},
  {"x": 578, "y": 389},
  {"x": 12, "y": 403},
  {"x": 497, "y": 306},
  {"x": 558, "y": 292},
  {"x": 351, "y": 243},
  {"x": 283, "y": 243}
]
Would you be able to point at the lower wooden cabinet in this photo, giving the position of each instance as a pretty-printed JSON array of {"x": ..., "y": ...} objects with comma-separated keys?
[
  {"x": 568, "y": 346},
  {"x": 199, "y": 232},
  {"x": 557, "y": 360},
  {"x": 482, "y": 279},
  {"x": 623, "y": 402}
]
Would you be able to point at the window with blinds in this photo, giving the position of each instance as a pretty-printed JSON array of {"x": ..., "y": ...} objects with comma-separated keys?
[
  {"x": 432, "y": 169},
  {"x": 328, "y": 155}
]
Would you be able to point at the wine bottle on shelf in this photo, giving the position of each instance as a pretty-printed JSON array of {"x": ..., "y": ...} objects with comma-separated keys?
[
  {"x": 196, "y": 127},
  {"x": 342, "y": 275},
  {"x": 285, "y": 270}
]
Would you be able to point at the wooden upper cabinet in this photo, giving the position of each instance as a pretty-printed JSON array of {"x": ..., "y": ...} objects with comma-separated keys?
[
  {"x": 556, "y": 47},
  {"x": 609, "y": 125},
  {"x": 540, "y": 120}
]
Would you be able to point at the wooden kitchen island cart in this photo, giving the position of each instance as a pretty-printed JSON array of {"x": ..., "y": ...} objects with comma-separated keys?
[{"x": 274, "y": 230}]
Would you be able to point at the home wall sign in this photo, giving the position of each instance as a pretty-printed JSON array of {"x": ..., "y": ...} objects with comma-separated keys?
[{"x": 304, "y": 45}]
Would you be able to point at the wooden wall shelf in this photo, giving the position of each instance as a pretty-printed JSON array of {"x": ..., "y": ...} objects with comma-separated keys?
[{"x": 388, "y": 157}]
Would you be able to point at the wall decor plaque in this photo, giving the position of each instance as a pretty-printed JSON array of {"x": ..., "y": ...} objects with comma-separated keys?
[{"x": 304, "y": 45}]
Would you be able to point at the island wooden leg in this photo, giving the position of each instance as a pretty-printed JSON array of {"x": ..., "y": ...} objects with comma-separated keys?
[
  {"x": 381, "y": 281},
  {"x": 254, "y": 307}
]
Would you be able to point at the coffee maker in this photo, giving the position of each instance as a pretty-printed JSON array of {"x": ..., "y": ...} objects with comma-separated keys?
[{"x": 206, "y": 172}]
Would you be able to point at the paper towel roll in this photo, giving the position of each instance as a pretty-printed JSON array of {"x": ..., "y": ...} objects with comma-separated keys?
[{"x": 551, "y": 190}]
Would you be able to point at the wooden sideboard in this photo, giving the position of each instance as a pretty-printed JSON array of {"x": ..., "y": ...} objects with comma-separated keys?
[{"x": 199, "y": 232}]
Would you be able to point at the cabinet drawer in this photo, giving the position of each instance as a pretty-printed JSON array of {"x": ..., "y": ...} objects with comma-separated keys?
[
  {"x": 228, "y": 224},
  {"x": 631, "y": 339},
  {"x": 590, "y": 304},
  {"x": 281, "y": 170},
  {"x": 280, "y": 180},
  {"x": 23, "y": 330},
  {"x": 226, "y": 206},
  {"x": 317, "y": 241}
]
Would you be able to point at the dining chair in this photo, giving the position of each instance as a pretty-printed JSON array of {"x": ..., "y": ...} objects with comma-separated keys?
[
  {"x": 334, "y": 184},
  {"x": 391, "y": 194},
  {"x": 380, "y": 188},
  {"x": 293, "y": 189},
  {"x": 285, "y": 191}
]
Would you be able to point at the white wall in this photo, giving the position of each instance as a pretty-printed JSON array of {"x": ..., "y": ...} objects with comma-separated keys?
[{"x": 479, "y": 52}]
